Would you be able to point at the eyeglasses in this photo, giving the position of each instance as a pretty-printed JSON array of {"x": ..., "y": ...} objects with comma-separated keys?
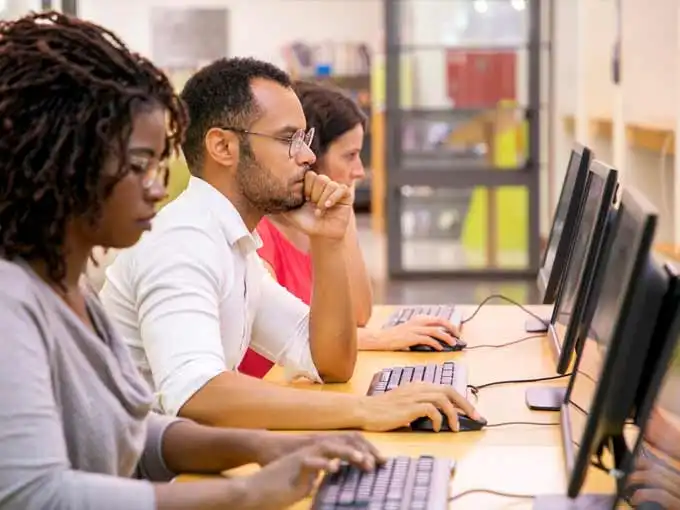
[
  {"x": 152, "y": 171},
  {"x": 295, "y": 142}
]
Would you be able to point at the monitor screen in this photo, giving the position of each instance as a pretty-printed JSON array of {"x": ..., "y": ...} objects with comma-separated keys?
[
  {"x": 561, "y": 211},
  {"x": 619, "y": 265},
  {"x": 657, "y": 463},
  {"x": 577, "y": 260}
]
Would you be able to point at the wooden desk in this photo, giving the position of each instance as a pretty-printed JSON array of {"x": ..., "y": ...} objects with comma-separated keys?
[{"x": 523, "y": 459}]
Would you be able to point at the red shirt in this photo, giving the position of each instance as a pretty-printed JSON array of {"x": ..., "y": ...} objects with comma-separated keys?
[{"x": 293, "y": 270}]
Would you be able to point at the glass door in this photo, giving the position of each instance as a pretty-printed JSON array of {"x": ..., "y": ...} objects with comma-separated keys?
[{"x": 462, "y": 113}]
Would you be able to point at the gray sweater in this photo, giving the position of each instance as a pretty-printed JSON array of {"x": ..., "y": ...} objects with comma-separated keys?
[{"x": 75, "y": 428}]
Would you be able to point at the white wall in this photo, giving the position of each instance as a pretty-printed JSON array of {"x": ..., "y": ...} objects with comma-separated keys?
[
  {"x": 256, "y": 27},
  {"x": 647, "y": 97},
  {"x": 15, "y": 8},
  {"x": 650, "y": 49}
]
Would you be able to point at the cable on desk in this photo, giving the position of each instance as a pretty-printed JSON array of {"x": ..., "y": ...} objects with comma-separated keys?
[
  {"x": 507, "y": 423},
  {"x": 507, "y": 344},
  {"x": 493, "y": 493},
  {"x": 504, "y": 298},
  {"x": 475, "y": 389}
]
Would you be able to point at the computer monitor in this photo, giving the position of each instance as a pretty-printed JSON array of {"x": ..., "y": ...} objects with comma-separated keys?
[
  {"x": 610, "y": 361},
  {"x": 658, "y": 417},
  {"x": 661, "y": 370},
  {"x": 566, "y": 321},
  {"x": 562, "y": 231}
]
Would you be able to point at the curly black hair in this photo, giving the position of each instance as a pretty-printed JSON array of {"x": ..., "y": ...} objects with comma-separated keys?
[
  {"x": 69, "y": 90},
  {"x": 329, "y": 110},
  {"x": 220, "y": 94}
]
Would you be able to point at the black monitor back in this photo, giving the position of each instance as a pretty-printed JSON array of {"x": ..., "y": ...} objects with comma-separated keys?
[
  {"x": 658, "y": 407},
  {"x": 564, "y": 223},
  {"x": 595, "y": 221},
  {"x": 609, "y": 364}
]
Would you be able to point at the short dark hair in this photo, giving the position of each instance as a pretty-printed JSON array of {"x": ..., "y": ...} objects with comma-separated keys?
[
  {"x": 329, "y": 110},
  {"x": 69, "y": 91},
  {"x": 221, "y": 94}
]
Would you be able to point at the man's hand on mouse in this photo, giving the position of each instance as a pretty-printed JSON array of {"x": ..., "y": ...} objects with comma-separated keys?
[
  {"x": 399, "y": 407},
  {"x": 419, "y": 330}
]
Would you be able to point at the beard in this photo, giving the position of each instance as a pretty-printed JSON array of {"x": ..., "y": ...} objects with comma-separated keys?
[{"x": 263, "y": 190}]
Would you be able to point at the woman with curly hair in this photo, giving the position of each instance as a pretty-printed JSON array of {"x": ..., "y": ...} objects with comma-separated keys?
[
  {"x": 86, "y": 127},
  {"x": 339, "y": 126}
]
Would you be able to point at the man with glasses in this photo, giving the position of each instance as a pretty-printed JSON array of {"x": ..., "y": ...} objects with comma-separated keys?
[{"x": 193, "y": 295}]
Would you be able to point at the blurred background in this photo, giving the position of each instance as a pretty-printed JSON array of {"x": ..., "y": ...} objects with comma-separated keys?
[{"x": 473, "y": 107}]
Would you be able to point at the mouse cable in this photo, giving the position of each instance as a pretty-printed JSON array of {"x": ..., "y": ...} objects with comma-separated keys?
[
  {"x": 475, "y": 389},
  {"x": 507, "y": 344},
  {"x": 504, "y": 298},
  {"x": 508, "y": 423},
  {"x": 493, "y": 493}
]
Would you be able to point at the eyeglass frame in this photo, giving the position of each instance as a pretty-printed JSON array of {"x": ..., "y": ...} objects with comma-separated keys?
[
  {"x": 153, "y": 171},
  {"x": 301, "y": 136}
]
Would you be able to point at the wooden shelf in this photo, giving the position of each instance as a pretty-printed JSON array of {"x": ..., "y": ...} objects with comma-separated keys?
[
  {"x": 639, "y": 136},
  {"x": 652, "y": 138}
]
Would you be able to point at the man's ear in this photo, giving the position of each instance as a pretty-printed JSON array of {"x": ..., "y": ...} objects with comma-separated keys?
[{"x": 222, "y": 146}]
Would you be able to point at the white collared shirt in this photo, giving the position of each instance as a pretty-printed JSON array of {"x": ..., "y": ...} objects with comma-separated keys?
[{"x": 192, "y": 295}]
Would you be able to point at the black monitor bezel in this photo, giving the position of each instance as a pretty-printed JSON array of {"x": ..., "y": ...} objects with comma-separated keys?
[
  {"x": 657, "y": 364},
  {"x": 600, "y": 421},
  {"x": 593, "y": 257},
  {"x": 548, "y": 282}
]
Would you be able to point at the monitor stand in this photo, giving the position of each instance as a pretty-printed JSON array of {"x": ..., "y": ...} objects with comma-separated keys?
[
  {"x": 533, "y": 325},
  {"x": 582, "y": 502},
  {"x": 545, "y": 398}
]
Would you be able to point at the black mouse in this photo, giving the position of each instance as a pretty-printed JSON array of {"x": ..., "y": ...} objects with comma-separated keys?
[
  {"x": 466, "y": 423},
  {"x": 458, "y": 346}
]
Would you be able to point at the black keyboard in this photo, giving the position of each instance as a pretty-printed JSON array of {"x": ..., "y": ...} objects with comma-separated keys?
[
  {"x": 402, "y": 483},
  {"x": 404, "y": 314},
  {"x": 448, "y": 373}
]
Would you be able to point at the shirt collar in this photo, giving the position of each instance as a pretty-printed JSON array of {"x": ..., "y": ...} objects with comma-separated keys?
[{"x": 233, "y": 227}]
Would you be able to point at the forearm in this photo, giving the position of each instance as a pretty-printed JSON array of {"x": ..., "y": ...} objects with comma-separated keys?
[
  {"x": 192, "y": 448},
  {"x": 205, "y": 495},
  {"x": 236, "y": 400},
  {"x": 332, "y": 324},
  {"x": 361, "y": 289}
]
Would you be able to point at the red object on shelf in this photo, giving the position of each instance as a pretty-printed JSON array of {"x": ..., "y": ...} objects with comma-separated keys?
[{"x": 480, "y": 79}]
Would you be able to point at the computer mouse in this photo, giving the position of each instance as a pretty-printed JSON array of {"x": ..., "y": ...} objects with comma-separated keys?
[
  {"x": 458, "y": 346},
  {"x": 466, "y": 423}
]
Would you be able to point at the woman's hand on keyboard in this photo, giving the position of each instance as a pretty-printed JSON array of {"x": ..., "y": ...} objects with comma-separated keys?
[
  {"x": 293, "y": 477},
  {"x": 399, "y": 407},
  {"x": 419, "y": 330},
  {"x": 275, "y": 445},
  {"x": 651, "y": 480}
]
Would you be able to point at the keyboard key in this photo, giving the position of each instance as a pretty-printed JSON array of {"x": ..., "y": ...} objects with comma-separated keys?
[
  {"x": 448, "y": 373},
  {"x": 406, "y": 313},
  {"x": 403, "y": 482}
]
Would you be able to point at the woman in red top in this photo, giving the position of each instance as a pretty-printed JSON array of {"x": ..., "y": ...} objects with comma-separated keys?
[{"x": 339, "y": 126}]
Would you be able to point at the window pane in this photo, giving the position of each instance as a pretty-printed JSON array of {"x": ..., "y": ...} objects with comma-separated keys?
[
  {"x": 464, "y": 22},
  {"x": 456, "y": 229},
  {"x": 451, "y": 139}
]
